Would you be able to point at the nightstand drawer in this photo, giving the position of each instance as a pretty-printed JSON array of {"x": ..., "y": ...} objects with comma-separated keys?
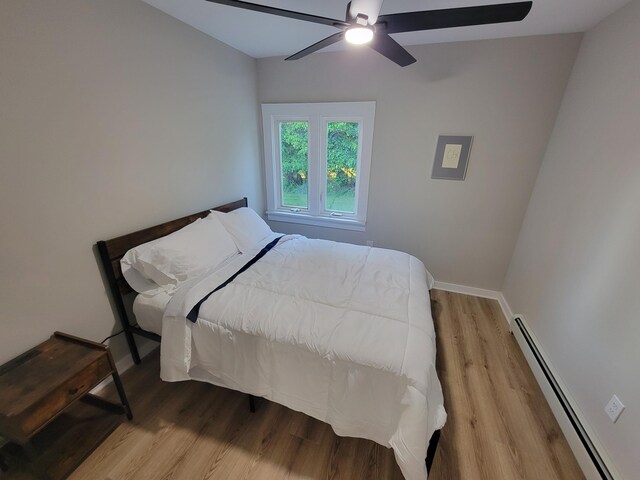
[{"x": 39, "y": 414}]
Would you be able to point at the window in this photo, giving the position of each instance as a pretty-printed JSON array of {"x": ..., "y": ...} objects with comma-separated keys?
[{"x": 317, "y": 160}]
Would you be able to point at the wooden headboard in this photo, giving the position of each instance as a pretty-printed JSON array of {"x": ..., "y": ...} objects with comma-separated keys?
[{"x": 111, "y": 251}]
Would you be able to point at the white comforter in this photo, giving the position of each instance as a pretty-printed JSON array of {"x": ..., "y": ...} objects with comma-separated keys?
[{"x": 340, "y": 332}]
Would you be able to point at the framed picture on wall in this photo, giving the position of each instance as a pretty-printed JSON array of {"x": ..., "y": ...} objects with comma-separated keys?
[{"x": 452, "y": 157}]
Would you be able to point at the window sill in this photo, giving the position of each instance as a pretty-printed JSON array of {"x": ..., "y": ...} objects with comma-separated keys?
[{"x": 317, "y": 221}]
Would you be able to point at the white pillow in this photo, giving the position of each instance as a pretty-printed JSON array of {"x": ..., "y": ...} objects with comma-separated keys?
[
  {"x": 245, "y": 226},
  {"x": 134, "y": 278},
  {"x": 140, "y": 284},
  {"x": 178, "y": 257}
]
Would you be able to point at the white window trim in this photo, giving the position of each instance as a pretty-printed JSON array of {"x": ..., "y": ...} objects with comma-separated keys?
[{"x": 318, "y": 115}]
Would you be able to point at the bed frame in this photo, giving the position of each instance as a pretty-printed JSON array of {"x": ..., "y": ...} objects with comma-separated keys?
[{"x": 111, "y": 251}]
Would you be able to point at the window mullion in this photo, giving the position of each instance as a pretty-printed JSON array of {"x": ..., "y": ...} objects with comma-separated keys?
[
  {"x": 322, "y": 180},
  {"x": 314, "y": 167}
]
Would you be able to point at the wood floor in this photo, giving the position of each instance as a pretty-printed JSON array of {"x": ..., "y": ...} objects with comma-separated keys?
[{"x": 499, "y": 426}]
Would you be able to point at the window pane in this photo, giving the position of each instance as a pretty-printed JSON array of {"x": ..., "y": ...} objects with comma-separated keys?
[
  {"x": 294, "y": 155},
  {"x": 342, "y": 166}
]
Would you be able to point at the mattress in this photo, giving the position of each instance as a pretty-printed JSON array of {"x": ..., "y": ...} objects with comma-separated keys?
[
  {"x": 340, "y": 332},
  {"x": 149, "y": 310}
]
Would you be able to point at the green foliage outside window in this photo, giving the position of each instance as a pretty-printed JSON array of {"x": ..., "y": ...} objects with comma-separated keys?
[
  {"x": 294, "y": 141},
  {"x": 342, "y": 165},
  {"x": 342, "y": 162}
]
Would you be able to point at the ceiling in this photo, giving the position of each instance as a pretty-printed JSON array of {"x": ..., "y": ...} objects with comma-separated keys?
[{"x": 261, "y": 35}]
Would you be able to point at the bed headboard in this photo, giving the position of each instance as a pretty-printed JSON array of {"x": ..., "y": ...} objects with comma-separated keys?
[{"x": 111, "y": 251}]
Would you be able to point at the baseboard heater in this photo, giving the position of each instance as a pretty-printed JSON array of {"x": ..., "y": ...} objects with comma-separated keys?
[{"x": 568, "y": 409}]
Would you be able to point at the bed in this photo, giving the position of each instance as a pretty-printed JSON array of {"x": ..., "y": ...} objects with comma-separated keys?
[{"x": 340, "y": 332}]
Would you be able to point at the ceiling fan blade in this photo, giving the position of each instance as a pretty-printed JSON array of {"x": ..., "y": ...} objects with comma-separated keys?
[
  {"x": 317, "y": 46},
  {"x": 387, "y": 46},
  {"x": 455, "y": 17},
  {"x": 282, "y": 13}
]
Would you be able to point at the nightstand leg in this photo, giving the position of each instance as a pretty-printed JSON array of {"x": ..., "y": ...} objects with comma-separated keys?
[{"x": 123, "y": 396}]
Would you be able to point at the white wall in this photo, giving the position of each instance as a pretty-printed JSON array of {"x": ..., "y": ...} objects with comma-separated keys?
[
  {"x": 574, "y": 273},
  {"x": 113, "y": 117},
  {"x": 504, "y": 92}
]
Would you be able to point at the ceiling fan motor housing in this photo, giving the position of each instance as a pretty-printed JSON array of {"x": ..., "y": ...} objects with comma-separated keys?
[{"x": 362, "y": 19}]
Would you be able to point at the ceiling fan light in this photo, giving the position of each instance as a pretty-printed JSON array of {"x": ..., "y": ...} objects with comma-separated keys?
[{"x": 359, "y": 35}]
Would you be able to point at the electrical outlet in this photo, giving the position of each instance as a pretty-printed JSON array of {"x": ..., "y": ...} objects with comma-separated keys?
[
  {"x": 614, "y": 408},
  {"x": 369, "y": 243}
]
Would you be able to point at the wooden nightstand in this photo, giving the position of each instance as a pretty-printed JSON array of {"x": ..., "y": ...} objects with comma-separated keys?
[{"x": 40, "y": 385}]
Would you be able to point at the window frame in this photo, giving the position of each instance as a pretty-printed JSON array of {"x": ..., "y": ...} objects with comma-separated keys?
[{"x": 318, "y": 116}]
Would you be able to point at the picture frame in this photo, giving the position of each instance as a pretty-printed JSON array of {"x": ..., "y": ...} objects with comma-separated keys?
[{"x": 452, "y": 157}]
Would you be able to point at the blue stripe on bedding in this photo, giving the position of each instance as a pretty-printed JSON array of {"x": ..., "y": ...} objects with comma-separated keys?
[{"x": 195, "y": 311}]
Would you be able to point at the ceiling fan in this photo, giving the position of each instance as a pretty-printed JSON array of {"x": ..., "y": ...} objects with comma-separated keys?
[{"x": 364, "y": 25}]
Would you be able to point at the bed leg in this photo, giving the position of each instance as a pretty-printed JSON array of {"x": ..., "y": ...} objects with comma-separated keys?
[
  {"x": 252, "y": 404},
  {"x": 131, "y": 342},
  {"x": 431, "y": 451}
]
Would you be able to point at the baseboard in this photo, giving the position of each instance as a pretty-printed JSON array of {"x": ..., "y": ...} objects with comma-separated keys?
[
  {"x": 564, "y": 417},
  {"x": 126, "y": 362},
  {"x": 477, "y": 292}
]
